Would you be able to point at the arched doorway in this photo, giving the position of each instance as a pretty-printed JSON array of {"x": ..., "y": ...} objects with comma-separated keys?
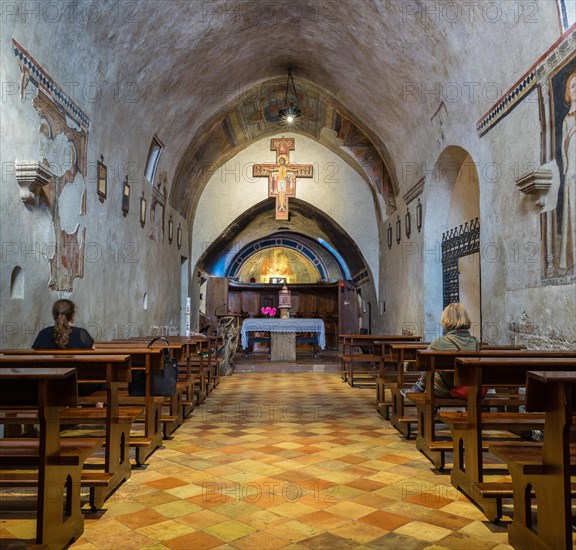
[{"x": 451, "y": 226}]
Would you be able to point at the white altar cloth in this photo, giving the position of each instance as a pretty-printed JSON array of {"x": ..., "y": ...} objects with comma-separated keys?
[{"x": 283, "y": 325}]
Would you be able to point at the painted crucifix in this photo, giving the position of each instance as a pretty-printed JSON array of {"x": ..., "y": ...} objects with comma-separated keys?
[{"x": 282, "y": 175}]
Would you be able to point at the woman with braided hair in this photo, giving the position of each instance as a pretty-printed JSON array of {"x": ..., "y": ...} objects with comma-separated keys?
[{"x": 63, "y": 334}]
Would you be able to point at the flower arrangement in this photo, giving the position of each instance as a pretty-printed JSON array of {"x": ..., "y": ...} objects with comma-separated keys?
[{"x": 268, "y": 311}]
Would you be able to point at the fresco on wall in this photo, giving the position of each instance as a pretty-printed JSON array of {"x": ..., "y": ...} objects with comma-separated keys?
[
  {"x": 362, "y": 149},
  {"x": 278, "y": 265},
  {"x": 226, "y": 133},
  {"x": 63, "y": 133},
  {"x": 564, "y": 118},
  {"x": 559, "y": 225}
]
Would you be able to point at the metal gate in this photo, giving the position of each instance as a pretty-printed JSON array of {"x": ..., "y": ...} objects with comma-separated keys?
[{"x": 456, "y": 243}]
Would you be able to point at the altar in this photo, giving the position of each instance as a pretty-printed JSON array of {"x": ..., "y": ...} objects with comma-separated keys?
[{"x": 283, "y": 334}]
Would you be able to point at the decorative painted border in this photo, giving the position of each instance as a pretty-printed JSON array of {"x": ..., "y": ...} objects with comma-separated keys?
[
  {"x": 31, "y": 69},
  {"x": 512, "y": 98}
]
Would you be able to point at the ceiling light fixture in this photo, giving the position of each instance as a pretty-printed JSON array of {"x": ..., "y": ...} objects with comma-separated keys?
[{"x": 291, "y": 110}]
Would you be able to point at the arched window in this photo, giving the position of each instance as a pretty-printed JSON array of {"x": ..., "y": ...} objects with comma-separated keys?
[{"x": 153, "y": 156}]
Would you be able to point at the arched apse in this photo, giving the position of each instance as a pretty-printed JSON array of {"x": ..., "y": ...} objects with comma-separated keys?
[
  {"x": 451, "y": 199},
  {"x": 291, "y": 252},
  {"x": 322, "y": 237},
  {"x": 336, "y": 205}
]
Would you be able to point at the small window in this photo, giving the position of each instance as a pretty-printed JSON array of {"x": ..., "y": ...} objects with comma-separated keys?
[
  {"x": 17, "y": 283},
  {"x": 153, "y": 156}
]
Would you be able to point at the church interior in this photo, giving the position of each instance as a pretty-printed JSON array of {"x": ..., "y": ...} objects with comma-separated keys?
[{"x": 211, "y": 172}]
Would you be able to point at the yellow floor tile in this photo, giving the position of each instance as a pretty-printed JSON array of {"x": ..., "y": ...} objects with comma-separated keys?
[{"x": 284, "y": 460}]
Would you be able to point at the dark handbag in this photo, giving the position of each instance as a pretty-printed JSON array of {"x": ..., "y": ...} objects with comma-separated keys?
[{"x": 163, "y": 382}]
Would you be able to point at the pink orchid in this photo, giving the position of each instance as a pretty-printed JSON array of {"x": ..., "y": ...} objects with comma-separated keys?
[{"x": 268, "y": 311}]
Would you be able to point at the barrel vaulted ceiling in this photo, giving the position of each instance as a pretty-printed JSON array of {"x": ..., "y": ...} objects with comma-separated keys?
[{"x": 374, "y": 69}]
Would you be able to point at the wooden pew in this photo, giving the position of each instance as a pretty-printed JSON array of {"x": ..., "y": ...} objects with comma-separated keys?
[
  {"x": 112, "y": 370},
  {"x": 215, "y": 352},
  {"x": 467, "y": 473},
  {"x": 196, "y": 376},
  {"x": 544, "y": 470},
  {"x": 388, "y": 377},
  {"x": 402, "y": 355},
  {"x": 174, "y": 418},
  {"x": 361, "y": 352},
  {"x": 146, "y": 360},
  {"x": 59, "y": 521},
  {"x": 202, "y": 351},
  {"x": 432, "y": 361}
]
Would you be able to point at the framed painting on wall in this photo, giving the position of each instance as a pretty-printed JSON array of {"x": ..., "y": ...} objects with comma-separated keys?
[
  {"x": 126, "y": 197},
  {"x": 102, "y": 179}
]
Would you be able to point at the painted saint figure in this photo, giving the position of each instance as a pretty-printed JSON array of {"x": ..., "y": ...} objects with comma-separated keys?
[
  {"x": 567, "y": 194},
  {"x": 282, "y": 175}
]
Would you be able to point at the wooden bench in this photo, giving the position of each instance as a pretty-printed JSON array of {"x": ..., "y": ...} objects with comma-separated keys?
[
  {"x": 543, "y": 471},
  {"x": 59, "y": 519},
  {"x": 368, "y": 344},
  {"x": 388, "y": 375},
  {"x": 216, "y": 352},
  {"x": 427, "y": 404},
  {"x": 145, "y": 441},
  {"x": 402, "y": 359},
  {"x": 467, "y": 427},
  {"x": 198, "y": 374},
  {"x": 117, "y": 422},
  {"x": 174, "y": 418}
]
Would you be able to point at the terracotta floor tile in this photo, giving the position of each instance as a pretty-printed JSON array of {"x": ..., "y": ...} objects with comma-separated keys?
[
  {"x": 196, "y": 541},
  {"x": 323, "y": 520},
  {"x": 384, "y": 520},
  {"x": 365, "y": 484},
  {"x": 284, "y": 460},
  {"x": 329, "y": 541},
  {"x": 260, "y": 540},
  {"x": 166, "y": 483},
  {"x": 141, "y": 518}
]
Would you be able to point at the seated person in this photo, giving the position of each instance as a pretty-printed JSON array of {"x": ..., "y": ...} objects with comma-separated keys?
[
  {"x": 65, "y": 336},
  {"x": 456, "y": 324}
]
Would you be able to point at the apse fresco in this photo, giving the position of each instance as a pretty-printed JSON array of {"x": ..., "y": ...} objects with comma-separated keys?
[{"x": 278, "y": 265}]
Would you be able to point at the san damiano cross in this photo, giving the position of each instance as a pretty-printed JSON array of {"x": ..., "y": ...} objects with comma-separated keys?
[{"x": 282, "y": 175}]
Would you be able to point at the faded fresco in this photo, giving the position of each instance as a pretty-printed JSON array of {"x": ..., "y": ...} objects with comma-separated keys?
[
  {"x": 564, "y": 95},
  {"x": 559, "y": 224},
  {"x": 63, "y": 150}
]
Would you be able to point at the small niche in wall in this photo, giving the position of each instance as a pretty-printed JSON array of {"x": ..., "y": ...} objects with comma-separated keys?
[
  {"x": 145, "y": 301},
  {"x": 17, "y": 283}
]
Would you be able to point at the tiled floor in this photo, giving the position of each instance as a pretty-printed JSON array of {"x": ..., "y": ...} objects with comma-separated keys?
[{"x": 285, "y": 460}]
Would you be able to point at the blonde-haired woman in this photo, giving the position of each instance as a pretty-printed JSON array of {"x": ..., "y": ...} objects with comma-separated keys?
[{"x": 456, "y": 324}]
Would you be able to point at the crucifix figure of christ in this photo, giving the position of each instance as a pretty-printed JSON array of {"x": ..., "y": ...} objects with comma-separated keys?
[{"x": 282, "y": 175}]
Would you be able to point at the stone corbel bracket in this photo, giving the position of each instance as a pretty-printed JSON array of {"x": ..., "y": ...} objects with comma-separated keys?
[
  {"x": 537, "y": 183},
  {"x": 32, "y": 176}
]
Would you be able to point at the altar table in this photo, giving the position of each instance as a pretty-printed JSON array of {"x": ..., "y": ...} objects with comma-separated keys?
[{"x": 283, "y": 334}]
